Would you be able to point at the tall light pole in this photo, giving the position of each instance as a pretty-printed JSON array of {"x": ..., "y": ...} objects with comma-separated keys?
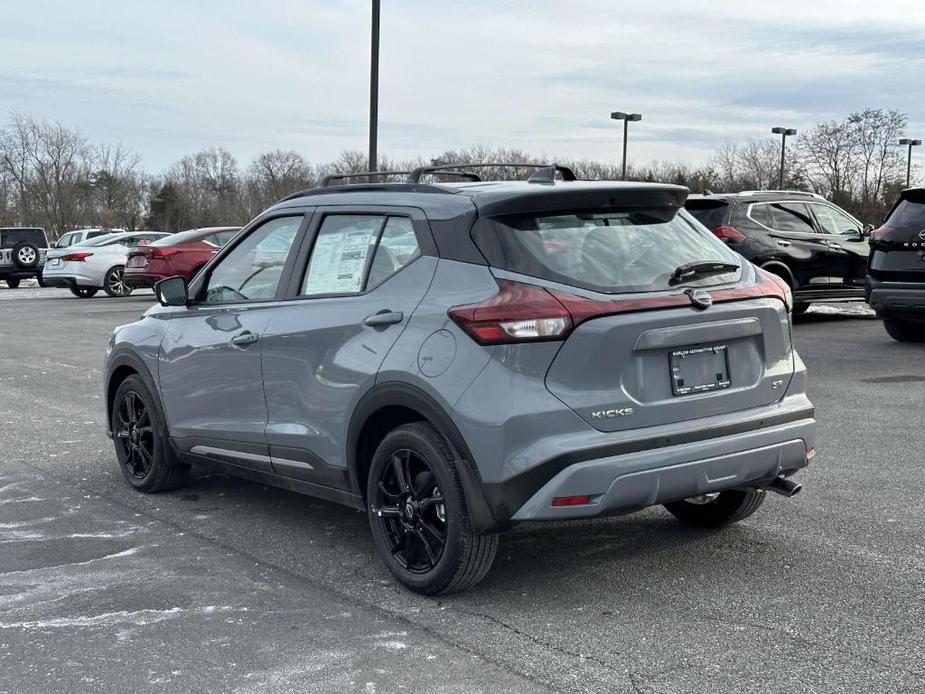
[
  {"x": 910, "y": 144},
  {"x": 372, "y": 161},
  {"x": 783, "y": 132},
  {"x": 626, "y": 118}
]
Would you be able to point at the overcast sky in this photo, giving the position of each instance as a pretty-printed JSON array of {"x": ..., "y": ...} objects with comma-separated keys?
[{"x": 170, "y": 77}]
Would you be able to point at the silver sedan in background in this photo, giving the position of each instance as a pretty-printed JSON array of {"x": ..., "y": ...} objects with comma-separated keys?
[{"x": 98, "y": 263}]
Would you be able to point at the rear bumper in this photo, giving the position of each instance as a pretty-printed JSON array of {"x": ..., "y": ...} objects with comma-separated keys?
[
  {"x": 140, "y": 280},
  {"x": 899, "y": 299},
  {"x": 60, "y": 281},
  {"x": 632, "y": 475}
]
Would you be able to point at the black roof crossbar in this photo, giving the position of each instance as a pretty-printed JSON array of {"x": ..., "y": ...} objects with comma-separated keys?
[{"x": 546, "y": 177}]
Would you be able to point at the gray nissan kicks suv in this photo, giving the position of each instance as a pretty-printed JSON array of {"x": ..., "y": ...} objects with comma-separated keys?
[{"x": 455, "y": 357}]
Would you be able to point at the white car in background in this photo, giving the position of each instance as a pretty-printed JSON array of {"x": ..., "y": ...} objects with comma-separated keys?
[{"x": 97, "y": 263}]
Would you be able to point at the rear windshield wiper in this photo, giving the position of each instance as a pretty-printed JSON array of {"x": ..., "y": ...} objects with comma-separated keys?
[{"x": 700, "y": 268}]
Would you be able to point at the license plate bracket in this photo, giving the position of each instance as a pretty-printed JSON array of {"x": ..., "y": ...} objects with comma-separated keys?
[{"x": 696, "y": 370}]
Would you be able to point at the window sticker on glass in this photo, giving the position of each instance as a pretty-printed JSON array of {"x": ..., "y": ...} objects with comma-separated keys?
[{"x": 339, "y": 257}]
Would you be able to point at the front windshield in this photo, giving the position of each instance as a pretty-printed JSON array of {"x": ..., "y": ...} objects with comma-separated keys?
[{"x": 631, "y": 250}]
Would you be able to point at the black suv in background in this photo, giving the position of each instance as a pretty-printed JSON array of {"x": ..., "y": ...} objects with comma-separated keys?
[
  {"x": 896, "y": 278},
  {"x": 818, "y": 248},
  {"x": 22, "y": 254}
]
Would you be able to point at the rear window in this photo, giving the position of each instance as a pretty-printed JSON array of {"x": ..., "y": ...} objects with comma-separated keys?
[
  {"x": 634, "y": 250},
  {"x": 908, "y": 213},
  {"x": 710, "y": 213},
  {"x": 179, "y": 237}
]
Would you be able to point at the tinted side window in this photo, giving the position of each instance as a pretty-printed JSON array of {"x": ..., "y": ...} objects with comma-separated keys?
[
  {"x": 253, "y": 268},
  {"x": 759, "y": 213},
  {"x": 397, "y": 247},
  {"x": 791, "y": 216},
  {"x": 341, "y": 253},
  {"x": 92, "y": 234},
  {"x": 834, "y": 222}
]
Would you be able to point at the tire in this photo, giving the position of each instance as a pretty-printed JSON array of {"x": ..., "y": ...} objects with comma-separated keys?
[
  {"x": 408, "y": 526},
  {"x": 114, "y": 282},
  {"x": 145, "y": 457},
  {"x": 730, "y": 506},
  {"x": 40, "y": 280},
  {"x": 25, "y": 255},
  {"x": 800, "y": 309},
  {"x": 84, "y": 292},
  {"x": 904, "y": 331},
  {"x": 12, "y": 282}
]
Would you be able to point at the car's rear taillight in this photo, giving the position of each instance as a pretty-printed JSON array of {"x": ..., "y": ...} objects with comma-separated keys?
[
  {"x": 517, "y": 313},
  {"x": 80, "y": 255},
  {"x": 162, "y": 253},
  {"x": 879, "y": 234},
  {"x": 728, "y": 233},
  {"x": 525, "y": 313}
]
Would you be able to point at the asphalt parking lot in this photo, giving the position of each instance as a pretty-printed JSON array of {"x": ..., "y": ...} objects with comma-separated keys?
[{"x": 231, "y": 586}]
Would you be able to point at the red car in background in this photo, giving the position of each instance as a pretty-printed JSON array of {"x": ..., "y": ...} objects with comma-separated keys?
[{"x": 183, "y": 253}]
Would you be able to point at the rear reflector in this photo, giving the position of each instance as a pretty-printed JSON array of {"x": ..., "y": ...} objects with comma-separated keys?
[
  {"x": 580, "y": 500},
  {"x": 728, "y": 233},
  {"x": 526, "y": 313},
  {"x": 810, "y": 453},
  {"x": 81, "y": 255}
]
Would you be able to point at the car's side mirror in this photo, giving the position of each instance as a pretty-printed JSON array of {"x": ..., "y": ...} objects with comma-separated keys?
[
  {"x": 865, "y": 232},
  {"x": 171, "y": 291}
]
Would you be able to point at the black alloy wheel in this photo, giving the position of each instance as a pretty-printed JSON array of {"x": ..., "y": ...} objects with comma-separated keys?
[
  {"x": 134, "y": 432},
  {"x": 411, "y": 510}
]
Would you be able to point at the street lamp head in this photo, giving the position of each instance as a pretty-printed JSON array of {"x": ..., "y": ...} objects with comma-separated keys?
[
  {"x": 783, "y": 131},
  {"x": 620, "y": 115},
  {"x": 790, "y": 131},
  {"x": 915, "y": 142},
  {"x": 777, "y": 131},
  {"x": 905, "y": 141}
]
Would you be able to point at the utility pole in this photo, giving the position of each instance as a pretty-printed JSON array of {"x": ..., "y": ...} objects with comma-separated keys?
[
  {"x": 372, "y": 161},
  {"x": 783, "y": 132}
]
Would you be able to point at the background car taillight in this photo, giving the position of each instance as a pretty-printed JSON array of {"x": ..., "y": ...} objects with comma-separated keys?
[
  {"x": 80, "y": 255},
  {"x": 517, "y": 313},
  {"x": 728, "y": 233},
  {"x": 162, "y": 253},
  {"x": 879, "y": 234}
]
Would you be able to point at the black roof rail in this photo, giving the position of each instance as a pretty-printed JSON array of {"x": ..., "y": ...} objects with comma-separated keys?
[
  {"x": 415, "y": 176},
  {"x": 327, "y": 180}
]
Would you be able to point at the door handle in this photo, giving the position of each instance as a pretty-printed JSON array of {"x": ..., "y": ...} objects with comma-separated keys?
[
  {"x": 784, "y": 244},
  {"x": 832, "y": 244},
  {"x": 384, "y": 317},
  {"x": 244, "y": 339}
]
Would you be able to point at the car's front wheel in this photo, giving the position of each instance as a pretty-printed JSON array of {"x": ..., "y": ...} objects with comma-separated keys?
[
  {"x": 139, "y": 433},
  {"x": 904, "y": 331},
  {"x": 418, "y": 514},
  {"x": 114, "y": 282},
  {"x": 12, "y": 282},
  {"x": 718, "y": 508},
  {"x": 84, "y": 292}
]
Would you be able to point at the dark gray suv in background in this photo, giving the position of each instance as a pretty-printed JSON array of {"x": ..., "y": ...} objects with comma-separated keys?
[{"x": 455, "y": 357}]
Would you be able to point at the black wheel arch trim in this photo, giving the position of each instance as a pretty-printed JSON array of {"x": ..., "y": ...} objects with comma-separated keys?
[
  {"x": 398, "y": 393},
  {"x": 117, "y": 361},
  {"x": 770, "y": 265}
]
